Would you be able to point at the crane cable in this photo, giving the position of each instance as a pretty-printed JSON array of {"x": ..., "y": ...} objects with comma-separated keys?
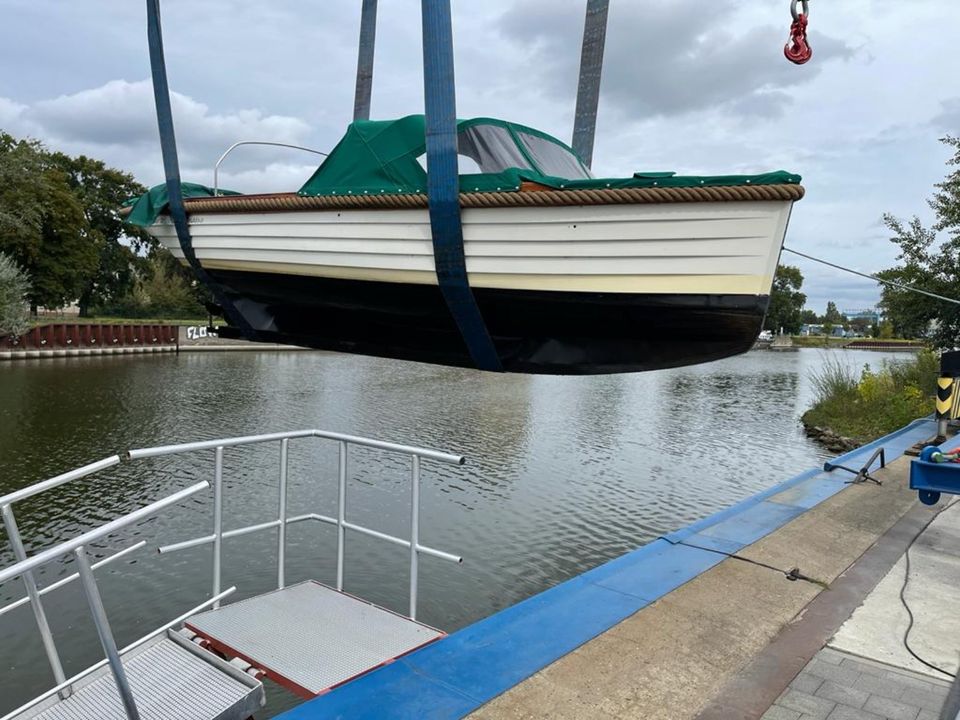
[{"x": 900, "y": 286}]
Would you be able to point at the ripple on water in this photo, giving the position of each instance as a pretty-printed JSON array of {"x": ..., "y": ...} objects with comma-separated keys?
[{"x": 562, "y": 474}]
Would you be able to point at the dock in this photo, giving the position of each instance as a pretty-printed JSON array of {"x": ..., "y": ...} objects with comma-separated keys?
[{"x": 732, "y": 617}]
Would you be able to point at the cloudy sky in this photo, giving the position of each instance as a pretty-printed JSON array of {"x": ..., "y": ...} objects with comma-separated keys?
[{"x": 695, "y": 86}]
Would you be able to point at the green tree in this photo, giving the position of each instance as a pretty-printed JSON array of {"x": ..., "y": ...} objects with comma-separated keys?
[
  {"x": 101, "y": 191},
  {"x": 832, "y": 315},
  {"x": 42, "y": 224},
  {"x": 928, "y": 263},
  {"x": 786, "y": 301},
  {"x": 14, "y": 287},
  {"x": 809, "y": 317}
]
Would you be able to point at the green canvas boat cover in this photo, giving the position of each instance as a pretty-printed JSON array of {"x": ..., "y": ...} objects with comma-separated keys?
[
  {"x": 383, "y": 157},
  {"x": 153, "y": 203}
]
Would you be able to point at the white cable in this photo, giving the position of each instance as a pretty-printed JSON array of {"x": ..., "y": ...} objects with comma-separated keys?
[{"x": 874, "y": 277}]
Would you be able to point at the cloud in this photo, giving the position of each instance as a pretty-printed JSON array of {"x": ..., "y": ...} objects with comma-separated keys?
[
  {"x": 10, "y": 114},
  {"x": 668, "y": 57},
  {"x": 948, "y": 119},
  {"x": 121, "y": 113}
]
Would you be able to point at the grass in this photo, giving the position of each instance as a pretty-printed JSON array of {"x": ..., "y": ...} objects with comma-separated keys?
[
  {"x": 870, "y": 403},
  {"x": 819, "y": 341}
]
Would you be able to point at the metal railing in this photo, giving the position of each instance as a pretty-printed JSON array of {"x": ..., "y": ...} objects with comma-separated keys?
[
  {"x": 216, "y": 168},
  {"x": 283, "y": 520},
  {"x": 24, "y": 566}
]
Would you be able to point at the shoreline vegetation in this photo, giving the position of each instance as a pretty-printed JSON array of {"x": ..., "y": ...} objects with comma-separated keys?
[{"x": 853, "y": 407}]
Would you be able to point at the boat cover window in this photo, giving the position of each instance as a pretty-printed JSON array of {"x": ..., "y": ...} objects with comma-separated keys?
[
  {"x": 466, "y": 165},
  {"x": 553, "y": 159},
  {"x": 492, "y": 147}
]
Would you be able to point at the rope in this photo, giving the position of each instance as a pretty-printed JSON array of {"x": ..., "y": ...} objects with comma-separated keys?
[
  {"x": 901, "y": 286},
  {"x": 291, "y": 202},
  {"x": 903, "y": 592},
  {"x": 793, "y": 575}
]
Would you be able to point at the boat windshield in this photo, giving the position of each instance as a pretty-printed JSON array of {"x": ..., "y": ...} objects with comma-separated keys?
[{"x": 494, "y": 150}]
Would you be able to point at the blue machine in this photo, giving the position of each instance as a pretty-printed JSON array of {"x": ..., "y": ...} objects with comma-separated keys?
[{"x": 933, "y": 478}]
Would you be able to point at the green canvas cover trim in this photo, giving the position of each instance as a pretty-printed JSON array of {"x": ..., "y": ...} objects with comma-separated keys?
[
  {"x": 380, "y": 157},
  {"x": 153, "y": 203}
]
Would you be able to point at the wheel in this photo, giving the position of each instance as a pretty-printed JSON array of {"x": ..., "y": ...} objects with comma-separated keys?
[{"x": 929, "y": 497}]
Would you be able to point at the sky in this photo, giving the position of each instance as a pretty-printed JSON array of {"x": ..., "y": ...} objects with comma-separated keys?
[{"x": 688, "y": 85}]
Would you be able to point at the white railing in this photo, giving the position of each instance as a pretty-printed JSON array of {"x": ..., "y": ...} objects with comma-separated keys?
[
  {"x": 216, "y": 168},
  {"x": 283, "y": 520},
  {"x": 24, "y": 566}
]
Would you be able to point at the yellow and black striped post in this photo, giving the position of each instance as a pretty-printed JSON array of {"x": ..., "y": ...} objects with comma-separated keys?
[
  {"x": 946, "y": 389},
  {"x": 948, "y": 398}
]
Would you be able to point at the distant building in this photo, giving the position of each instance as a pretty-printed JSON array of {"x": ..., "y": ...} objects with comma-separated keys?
[{"x": 872, "y": 315}]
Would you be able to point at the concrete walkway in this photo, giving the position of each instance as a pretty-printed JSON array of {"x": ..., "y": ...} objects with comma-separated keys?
[{"x": 682, "y": 656}]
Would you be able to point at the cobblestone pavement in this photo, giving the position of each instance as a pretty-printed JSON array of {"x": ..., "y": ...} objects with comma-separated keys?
[{"x": 838, "y": 686}]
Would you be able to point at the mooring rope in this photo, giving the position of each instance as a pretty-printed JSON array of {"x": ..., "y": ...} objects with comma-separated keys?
[
  {"x": 875, "y": 278},
  {"x": 281, "y": 202}
]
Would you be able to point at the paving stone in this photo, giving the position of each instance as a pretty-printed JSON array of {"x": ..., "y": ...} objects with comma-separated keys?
[
  {"x": 815, "y": 707},
  {"x": 918, "y": 681},
  {"x": 780, "y": 713},
  {"x": 834, "y": 657},
  {"x": 929, "y": 698},
  {"x": 828, "y": 671},
  {"x": 843, "y": 694},
  {"x": 891, "y": 709},
  {"x": 864, "y": 667},
  {"x": 805, "y": 682},
  {"x": 886, "y": 687},
  {"x": 842, "y": 712},
  {"x": 928, "y": 715}
]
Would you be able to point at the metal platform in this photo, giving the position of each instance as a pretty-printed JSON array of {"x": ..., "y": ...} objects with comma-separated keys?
[
  {"x": 172, "y": 679},
  {"x": 310, "y": 638}
]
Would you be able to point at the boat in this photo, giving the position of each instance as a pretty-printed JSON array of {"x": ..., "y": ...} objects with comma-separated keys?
[{"x": 572, "y": 274}]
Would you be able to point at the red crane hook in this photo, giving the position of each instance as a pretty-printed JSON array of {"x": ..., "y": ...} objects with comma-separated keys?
[{"x": 798, "y": 50}]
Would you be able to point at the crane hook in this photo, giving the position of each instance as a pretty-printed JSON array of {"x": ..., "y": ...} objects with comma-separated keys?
[{"x": 798, "y": 49}]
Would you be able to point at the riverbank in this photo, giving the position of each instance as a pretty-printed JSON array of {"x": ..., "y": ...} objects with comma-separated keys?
[
  {"x": 857, "y": 405},
  {"x": 62, "y": 340},
  {"x": 838, "y": 343}
]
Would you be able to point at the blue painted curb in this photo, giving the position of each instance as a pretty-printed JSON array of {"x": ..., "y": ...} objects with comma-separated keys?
[{"x": 456, "y": 675}]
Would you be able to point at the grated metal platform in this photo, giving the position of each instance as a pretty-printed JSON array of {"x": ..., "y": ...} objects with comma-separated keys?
[
  {"x": 309, "y": 637},
  {"x": 171, "y": 679}
]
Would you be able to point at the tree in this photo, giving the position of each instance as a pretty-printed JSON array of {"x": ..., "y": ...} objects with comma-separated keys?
[
  {"x": 42, "y": 224},
  {"x": 928, "y": 264},
  {"x": 14, "y": 286},
  {"x": 101, "y": 191},
  {"x": 809, "y": 317},
  {"x": 786, "y": 301},
  {"x": 832, "y": 315}
]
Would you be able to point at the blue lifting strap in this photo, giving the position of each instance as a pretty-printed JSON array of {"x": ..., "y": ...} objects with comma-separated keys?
[
  {"x": 171, "y": 166},
  {"x": 443, "y": 184}
]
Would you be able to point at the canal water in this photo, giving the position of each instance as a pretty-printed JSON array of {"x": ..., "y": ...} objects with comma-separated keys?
[{"x": 562, "y": 474}]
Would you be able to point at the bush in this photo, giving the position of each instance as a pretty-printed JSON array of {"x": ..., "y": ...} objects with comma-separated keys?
[
  {"x": 14, "y": 286},
  {"x": 877, "y": 402},
  {"x": 158, "y": 293}
]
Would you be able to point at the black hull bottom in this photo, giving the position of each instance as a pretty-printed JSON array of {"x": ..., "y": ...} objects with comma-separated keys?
[{"x": 557, "y": 333}]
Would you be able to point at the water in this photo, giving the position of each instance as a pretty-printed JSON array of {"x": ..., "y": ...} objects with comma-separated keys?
[{"x": 562, "y": 474}]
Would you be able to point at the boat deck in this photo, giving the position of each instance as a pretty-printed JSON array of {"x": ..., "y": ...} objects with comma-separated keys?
[{"x": 310, "y": 638}]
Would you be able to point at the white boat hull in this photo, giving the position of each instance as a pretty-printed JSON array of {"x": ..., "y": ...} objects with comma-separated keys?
[
  {"x": 567, "y": 289},
  {"x": 714, "y": 248}
]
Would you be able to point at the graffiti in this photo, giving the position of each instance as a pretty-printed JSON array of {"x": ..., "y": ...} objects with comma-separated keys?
[{"x": 196, "y": 333}]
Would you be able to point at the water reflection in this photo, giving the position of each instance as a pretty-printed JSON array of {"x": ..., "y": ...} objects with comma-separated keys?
[{"x": 562, "y": 474}]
